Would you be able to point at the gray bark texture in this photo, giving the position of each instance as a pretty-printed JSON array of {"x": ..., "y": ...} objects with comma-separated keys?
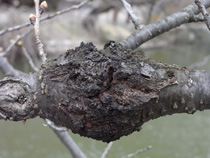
[
  {"x": 150, "y": 31},
  {"x": 104, "y": 94}
]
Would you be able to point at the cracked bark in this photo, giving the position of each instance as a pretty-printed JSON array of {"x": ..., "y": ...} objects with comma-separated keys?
[{"x": 105, "y": 94}]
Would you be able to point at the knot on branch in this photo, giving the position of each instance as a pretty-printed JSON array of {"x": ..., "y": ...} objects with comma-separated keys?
[
  {"x": 15, "y": 100},
  {"x": 100, "y": 94}
]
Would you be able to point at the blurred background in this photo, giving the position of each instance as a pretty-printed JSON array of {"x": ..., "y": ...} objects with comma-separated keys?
[{"x": 177, "y": 136}]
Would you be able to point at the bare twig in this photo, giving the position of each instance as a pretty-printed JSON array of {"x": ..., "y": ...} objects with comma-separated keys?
[
  {"x": 138, "y": 152},
  {"x": 14, "y": 43},
  {"x": 204, "y": 12},
  {"x": 66, "y": 139},
  {"x": 150, "y": 31},
  {"x": 65, "y": 10},
  {"x": 18, "y": 27},
  {"x": 37, "y": 32},
  {"x": 2, "y": 116},
  {"x": 107, "y": 150},
  {"x": 7, "y": 69},
  {"x": 200, "y": 63},
  {"x": 29, "y": 59},
  {"x": 152, "y": 4},
  {"x": 132, "y": 15},
  {"x": 50, "y": 16}
]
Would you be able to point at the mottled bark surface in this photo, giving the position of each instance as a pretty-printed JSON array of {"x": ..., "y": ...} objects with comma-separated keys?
[{"x": 110, "y": 93}]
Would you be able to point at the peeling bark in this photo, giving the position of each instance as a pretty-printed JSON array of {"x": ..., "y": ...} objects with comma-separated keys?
[{"x": 110, "y": 93}]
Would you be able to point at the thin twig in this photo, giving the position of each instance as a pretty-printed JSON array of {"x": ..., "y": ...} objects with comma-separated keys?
[
  {"x": 7, "y": 69},
  {"x": 14, "y": 43},
  {"x": 204, "y": 12},
  {"x": 28, "y": 57},
  {"x": 65, "y": 10},
  {"x": 37, "y": 33},
  {"x": 132, "y": 15},
  {"x": 200, "y": 63},
  {"x": 151, "y": 8},
  {"x": 50, "y": 16},
  {"x": 66, "y": 139},
  {"x": 14, "y": 28},
  {"x": 107, "y": 150},
  {"x": 138, "y": 152},
  {"x": 2, "y": 116}
]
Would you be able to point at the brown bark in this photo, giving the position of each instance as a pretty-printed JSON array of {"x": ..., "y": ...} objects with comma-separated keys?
[{"x": 109, "y": 93}]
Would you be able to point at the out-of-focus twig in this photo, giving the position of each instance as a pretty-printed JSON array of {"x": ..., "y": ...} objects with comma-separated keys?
[
  {"x": 151, "y": 7},
  {"x": 15, "y": 42},
  {"x": 200, "y": 63},
  {"x": 132, "y": 15},
  {"x": 50, "y": 16},
  {"x": 5, "y": 67},
  {"x": 66, "y": 139},
  {"x": 138, "y": 152},
  {"x": 28, "y": 57},
  {"x": 204, "y": 12},
  {"x": 2, "y": 116},
  {"x": 65, "y": 10},
  {"x": 14, "y": 28},
  {"x": 107, "y": 150}
]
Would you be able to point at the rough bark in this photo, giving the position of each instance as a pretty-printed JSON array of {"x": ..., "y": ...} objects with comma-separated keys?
[{"x": 106, "y": 94}]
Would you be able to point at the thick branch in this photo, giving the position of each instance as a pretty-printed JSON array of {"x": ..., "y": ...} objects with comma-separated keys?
[
  {"x": 105, "y": 94},
  {"x": 152, "y": 30}
]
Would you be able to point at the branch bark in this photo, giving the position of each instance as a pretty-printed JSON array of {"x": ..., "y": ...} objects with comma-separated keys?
[
  {"x": 105, "y": 94},
  {"x": 150, "y": 31},
  {"x": 204, "y": 12}
]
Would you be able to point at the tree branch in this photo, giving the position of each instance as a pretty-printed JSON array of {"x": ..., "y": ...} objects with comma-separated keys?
[
  {"x": 66, "y": 139},
  {"x": 14, "y": 43},
  {"x": 107, "y": 94},
  {"x": 48, "y": 17},
  {"x": 151, "y": 7},
  {"x": 30, "y": 60},
  {"x": 150, "y": 31},
  {"x": 204, "y": 12},
  {"x": 109, "y": 146},
  {"x": 132, "y": 15},
  {"x": 138, "y": 152},
  {"x": 6, "y": 68},
  {"x": 37, "y": 32}
]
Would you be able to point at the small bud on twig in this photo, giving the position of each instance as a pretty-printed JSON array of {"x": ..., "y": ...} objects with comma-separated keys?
[
  {"x": 32, "y": 19},
  {"x": 43, "y": 6},
  {"x": 19, "y": 43}
]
